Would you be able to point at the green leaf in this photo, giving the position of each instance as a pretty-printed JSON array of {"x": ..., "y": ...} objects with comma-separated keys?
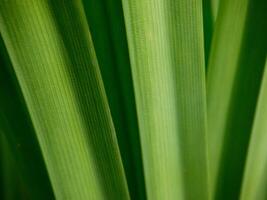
[
  {"x": 10, "y": 179},
  {"x": 235, "y": 69},
  {"x": 108, "y": 33},
  {"x": 165, "y": 41},
  {"x": 19, "y": 134},
  {"x": 210, "y": 9},
  {"x": 255, "y": 182},
  {"x": 51, "y": 50},
  {"x": 215, "y": 6}
]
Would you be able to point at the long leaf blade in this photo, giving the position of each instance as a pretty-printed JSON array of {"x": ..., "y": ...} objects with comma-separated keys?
[
  {"x": 255, "y": 182},
  {"x": 235, "y": 70},
  {"x": 64, "y": 93},
  {"x": 167, "y": 59}
]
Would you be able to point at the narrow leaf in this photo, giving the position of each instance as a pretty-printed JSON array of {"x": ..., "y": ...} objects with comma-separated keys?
[
  {"x": 106, "y": 22},
  {"x": 255, "y": 180},
  {"x": 18, "y": 131},
  {"x": 167, "y": 58},
  {"x": 235, "y": 69},
  {"x": 52, "y": 53}
]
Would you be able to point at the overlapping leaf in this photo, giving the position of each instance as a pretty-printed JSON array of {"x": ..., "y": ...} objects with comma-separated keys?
[{"x": 51, "y": 51}]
